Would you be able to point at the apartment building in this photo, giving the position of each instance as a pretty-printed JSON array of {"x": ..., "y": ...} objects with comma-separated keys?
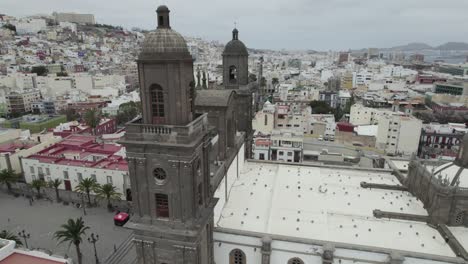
[
  {"x": 398, "y": 134},
  {"x": 19, "y": 103}
]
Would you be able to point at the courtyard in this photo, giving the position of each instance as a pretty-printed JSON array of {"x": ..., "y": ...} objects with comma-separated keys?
[{"x": 43, "y": 218}]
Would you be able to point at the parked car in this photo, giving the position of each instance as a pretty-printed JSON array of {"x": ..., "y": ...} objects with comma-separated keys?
[{"x": 121, "y": 218}]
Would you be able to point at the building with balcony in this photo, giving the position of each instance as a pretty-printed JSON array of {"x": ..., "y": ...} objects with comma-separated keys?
[
  {"x": 78, "y": 157},
  {"x": 286, "y": 145}
]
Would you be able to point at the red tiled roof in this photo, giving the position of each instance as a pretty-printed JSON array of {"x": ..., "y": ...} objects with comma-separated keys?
[
  {"x": 13, "y": 146},
  {"x": 18, "y": 258},
  {"x": 81, "y": 147}
]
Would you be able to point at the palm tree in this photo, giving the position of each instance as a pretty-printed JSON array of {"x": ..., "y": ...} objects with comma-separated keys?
[
  {"x": 10, "y": 236},
  {"x": 38, "y": 184},
  {"x": 7, "y": 177},
  {"x": 72, "y": 232},
  {"x": 86, "y": 186},
  {"x": 56, "y": 184},
  {"x": 92, "y": 119},
  {"x": 108, "y": 192}
]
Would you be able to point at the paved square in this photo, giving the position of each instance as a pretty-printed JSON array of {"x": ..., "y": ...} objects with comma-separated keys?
[{"x": 43, "y": 218}]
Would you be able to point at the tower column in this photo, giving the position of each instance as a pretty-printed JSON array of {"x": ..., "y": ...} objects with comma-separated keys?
[{"x": 144, "y": 195}]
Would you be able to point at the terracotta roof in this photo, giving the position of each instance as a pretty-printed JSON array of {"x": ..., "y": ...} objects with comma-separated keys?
[{"x": 18, "y": 258}]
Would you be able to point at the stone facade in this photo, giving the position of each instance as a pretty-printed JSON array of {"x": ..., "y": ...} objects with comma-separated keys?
[
  {"x": 168, "y": 153},
  {"x": 445, "y": 200}
]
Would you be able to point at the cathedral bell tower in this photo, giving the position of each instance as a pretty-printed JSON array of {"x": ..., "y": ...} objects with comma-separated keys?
[
  {"x": 235, "y": 63},
  {"x": 167, "y": 152}
]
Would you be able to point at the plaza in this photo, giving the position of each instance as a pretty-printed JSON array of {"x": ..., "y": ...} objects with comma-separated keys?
[{"x": 44, "y": 218}]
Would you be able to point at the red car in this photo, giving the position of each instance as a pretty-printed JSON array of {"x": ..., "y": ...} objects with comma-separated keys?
[{"x": 121, "y": 218}]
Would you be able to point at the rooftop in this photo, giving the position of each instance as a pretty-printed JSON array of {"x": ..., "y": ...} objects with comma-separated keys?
[
  {"x": 83, "y": 151},
  {"x": 327, "y": 204},
  {"x": 12, "y": 147}
]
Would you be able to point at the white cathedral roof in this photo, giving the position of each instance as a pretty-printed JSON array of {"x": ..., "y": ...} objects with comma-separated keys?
[{"x": 327, "y": 204}]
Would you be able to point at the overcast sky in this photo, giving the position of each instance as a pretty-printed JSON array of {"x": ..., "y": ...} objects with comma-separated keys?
[{"x": 278, "y": 24}]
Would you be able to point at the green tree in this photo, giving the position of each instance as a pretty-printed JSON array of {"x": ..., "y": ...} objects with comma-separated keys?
[
  {"x": 38, "y": 184},
  {"x": 320, "y": 107},
  {"x": 87, "y": 186},
  {"x": 92, "y": 119},
  {"x": 252, "y": 77},
  {"x": 39, "y": 70},
  {"x": 8, "y": 177},
  {"x": 10, "y": 27},
  {"x": 56, "y": 184},
  {"x": 73, "y": 232},
  {"x": 108, "y": 192},
  {"x": 71, "y": 114},
  {"x": 10, "y": 236},
  {"x": 62, "y": 74},
  {"x": 274, "y": 81},
  {"x": 128, "y": 111}
]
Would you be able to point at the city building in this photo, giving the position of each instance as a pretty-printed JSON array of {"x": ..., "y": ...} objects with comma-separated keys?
[
  {"x": 105, "y": 126},
  {"x": 192, "y": 207},
  {"x": 441, "y": 141},
  {"x": 20, "y": 103},
  {"x": 453, "y": 69},
  {"x": 74, "y": 18},
  {"x": 30, "y": 26},
  {"x": 454, "y": 88},
  {"x": 286, "y": 145},
  {"x": 398, "y": 134},
  {"x": 13, "y": 150},
  {"x": 9, "y": 254},
  {"x": 264, "y": 120},
  {"x": 78, "y": 157}
]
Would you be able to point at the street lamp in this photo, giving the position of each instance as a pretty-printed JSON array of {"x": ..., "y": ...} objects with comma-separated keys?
[
  {"x": 83, "y": 203},
  {"x": 93, "y": 239},
  {"x": 25, "y": 236}
]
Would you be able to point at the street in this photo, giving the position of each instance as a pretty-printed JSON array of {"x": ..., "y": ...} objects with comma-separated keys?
[{"x": 44, "y": 218}]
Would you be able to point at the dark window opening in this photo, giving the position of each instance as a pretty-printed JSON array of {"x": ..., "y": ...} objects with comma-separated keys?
[
  {"x": 157, "y": 101},
  {"x": 161, "y": 20},
  {"x": 200, "y": 194},
  {"x": 233, "y": 74},
  {"x": 162, "y": 205}
]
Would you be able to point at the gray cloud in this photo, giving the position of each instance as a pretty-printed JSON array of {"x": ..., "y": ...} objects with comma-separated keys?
[{"x": 292, "y": 24}]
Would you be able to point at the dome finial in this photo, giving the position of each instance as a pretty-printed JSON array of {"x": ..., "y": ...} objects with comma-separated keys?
[
  {"x": 235, "y": 34},
  {"x": 163, "y": 16}
]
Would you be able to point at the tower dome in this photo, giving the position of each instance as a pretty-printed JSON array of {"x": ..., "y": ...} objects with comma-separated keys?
[
  {"x": 164, "y": 43},
  {"x": 235, "y": 46}
]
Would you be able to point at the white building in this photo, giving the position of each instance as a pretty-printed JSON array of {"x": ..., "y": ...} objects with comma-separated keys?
[
  {"x": 30, "y": 26},
  {"x": 286, "y": 145},
  {"x": 398, "y": 134},
  {"x": 297, "y": 214},
  {"x": 361, "y": 115},
  {"x": 264, "y": 120},
  {"x": 362, "y": 78},
  {"x": 78, "y": 157}
]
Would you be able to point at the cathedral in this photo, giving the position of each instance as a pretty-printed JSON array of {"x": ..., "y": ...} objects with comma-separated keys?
[{"x": 199, "y": 199}]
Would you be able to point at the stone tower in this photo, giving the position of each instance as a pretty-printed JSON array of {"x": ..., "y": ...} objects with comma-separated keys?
[
  {"x": 235, "y": 63},
  {"x": 167, "y": 151}
]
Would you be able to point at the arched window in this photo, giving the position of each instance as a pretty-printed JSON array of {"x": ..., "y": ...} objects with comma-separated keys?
[
  {"x": 295, "y": 261},
  {"x": 459, "y": 217},
  {"x": 237, "y": 256},
  {"x": 162, "y": 205},
  {"x": 266, "y": 119},
  {"x": 157, "y": 101},
  {"x": 232, "y": 74}
]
